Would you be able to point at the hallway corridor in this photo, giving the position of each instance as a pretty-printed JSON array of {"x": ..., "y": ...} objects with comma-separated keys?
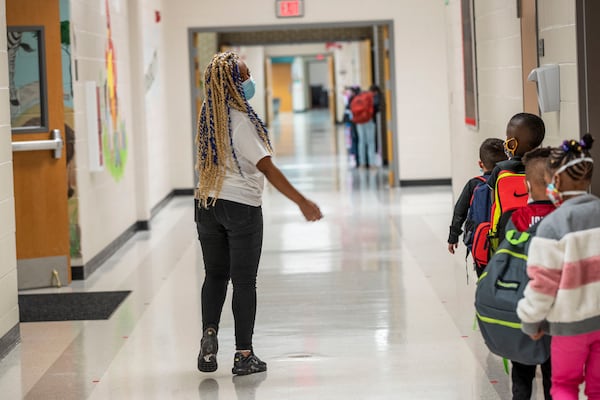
[{"x": 365, "y": 304}]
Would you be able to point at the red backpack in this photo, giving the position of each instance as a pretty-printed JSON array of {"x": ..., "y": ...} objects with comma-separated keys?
[
  {"x": 510, "y": 193},
  {"x": 362, "y": 107}
]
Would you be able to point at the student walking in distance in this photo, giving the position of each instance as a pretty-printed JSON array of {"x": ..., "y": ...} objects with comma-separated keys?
[
  {"x": 363, "y": 110},
  {"x": 234, "y": 156},
  {"x": 562, "y": 298}
]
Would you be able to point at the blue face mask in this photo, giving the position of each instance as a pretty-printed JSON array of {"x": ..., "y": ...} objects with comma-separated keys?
[{"x": 249, "y": 87}]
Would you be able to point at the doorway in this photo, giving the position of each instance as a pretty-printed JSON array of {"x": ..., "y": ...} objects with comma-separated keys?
[
  {"x": 379, "y": 52},
  {"x": 529, "y": 52}
]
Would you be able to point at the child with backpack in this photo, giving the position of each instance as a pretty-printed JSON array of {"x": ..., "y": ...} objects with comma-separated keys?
[
  {"x": 563, "y": 296},
  {"x": 490, "y": 152},
  {"x": 524, "y": 132},
  {"x": 363, "y": 109},
  {"x": 522, "y": 219},
  {"x": 352, "y": 92}
]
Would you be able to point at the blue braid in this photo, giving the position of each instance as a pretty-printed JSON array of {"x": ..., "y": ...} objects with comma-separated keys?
[
  {"x": 235, "y": 158},
  {"x": 202, "y": 129},
  {"x": 211, "y": 137},
  {"x": 258, "y": 123}
]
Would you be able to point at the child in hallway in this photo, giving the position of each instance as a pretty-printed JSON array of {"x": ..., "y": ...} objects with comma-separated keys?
[
  {"x": 563, "y": 296},
  {"x": 523, "y": 218},
  {"x": 524, "y": 133},
  {"x": 490, "y": 152}
]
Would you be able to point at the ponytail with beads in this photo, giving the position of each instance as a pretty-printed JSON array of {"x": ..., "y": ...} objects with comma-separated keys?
[{"x": 570, "y": 152}]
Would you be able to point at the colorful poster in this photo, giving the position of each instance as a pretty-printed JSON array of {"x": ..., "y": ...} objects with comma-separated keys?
[{"x": 114, "y": 138}]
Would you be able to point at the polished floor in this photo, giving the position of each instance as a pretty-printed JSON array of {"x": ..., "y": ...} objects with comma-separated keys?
[{"x": 365, "y": 304}]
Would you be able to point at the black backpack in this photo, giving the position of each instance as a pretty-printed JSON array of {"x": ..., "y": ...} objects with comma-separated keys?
[{"x": 479, "y": 210}]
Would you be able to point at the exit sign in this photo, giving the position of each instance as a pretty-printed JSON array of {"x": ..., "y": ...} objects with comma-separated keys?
[{"x": 289, "y": 8}]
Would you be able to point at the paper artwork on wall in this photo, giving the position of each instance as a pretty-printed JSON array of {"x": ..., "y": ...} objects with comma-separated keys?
[{"x": 114, "y": 138}]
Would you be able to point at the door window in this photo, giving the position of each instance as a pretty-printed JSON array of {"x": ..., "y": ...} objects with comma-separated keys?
[{"x": 27, "y": 79}]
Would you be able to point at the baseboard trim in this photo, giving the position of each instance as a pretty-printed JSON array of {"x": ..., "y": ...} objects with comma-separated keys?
[
  {"x": 183, "y": 192},
  {"x": 175, "y": 192},
  {"x": 81, "y": 272},
  {"x": 425, "y": 182},
  {"x": 9, "y": 341},
  {"x": 142, "y": 225}
]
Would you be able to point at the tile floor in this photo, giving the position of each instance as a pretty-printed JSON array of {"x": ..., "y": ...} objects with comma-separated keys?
[{"x": 365, "y": 304}]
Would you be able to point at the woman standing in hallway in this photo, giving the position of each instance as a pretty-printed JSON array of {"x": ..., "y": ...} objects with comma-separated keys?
[{"x": 233, "y": 157}]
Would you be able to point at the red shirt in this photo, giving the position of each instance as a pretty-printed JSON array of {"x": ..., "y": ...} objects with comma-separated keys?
[{"x": 525, "y": 217}]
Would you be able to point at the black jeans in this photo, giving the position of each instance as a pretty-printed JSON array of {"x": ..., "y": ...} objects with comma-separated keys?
[
  {"x": 231, "y": 237},
  {"x": 522, "y": 380}
]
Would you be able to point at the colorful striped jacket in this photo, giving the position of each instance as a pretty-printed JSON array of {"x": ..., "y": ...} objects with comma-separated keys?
[{"x": 563, "y": 296}]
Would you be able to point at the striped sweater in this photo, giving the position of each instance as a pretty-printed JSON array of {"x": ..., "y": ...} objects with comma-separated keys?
[{"x": 563, "y": 296}]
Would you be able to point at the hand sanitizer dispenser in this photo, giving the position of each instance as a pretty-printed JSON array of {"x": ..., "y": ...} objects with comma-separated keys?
[{"x": 548, "y": 86}]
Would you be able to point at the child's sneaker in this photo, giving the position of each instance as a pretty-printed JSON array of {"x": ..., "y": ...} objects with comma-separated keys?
[
  {"x": 207, "y": 359},
  {"x": 250, "y": 364}
]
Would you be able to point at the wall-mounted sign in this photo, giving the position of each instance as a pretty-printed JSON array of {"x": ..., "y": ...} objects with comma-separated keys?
[{"x": 289, "y": 8}]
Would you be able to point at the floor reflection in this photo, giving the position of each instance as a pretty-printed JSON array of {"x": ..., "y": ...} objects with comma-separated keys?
[{"x": 245, "y": 387}]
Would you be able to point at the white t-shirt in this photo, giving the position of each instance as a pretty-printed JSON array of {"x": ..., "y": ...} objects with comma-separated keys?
[{"x": 249, "y": 149}]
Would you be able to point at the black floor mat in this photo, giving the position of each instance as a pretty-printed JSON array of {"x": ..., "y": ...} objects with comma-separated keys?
[{"x": 69, "y": 306}]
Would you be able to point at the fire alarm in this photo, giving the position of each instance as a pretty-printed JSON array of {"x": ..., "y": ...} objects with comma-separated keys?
[{"x": 157, "y": 16}]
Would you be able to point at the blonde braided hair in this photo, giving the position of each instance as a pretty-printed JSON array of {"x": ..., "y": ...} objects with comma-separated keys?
[{"x": 215, "y": 153}]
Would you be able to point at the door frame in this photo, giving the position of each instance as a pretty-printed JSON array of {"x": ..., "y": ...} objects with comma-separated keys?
[
  {"x": 588, "y": 65},
  {"x": 392, "y": 125},
  {"x": 529, "y": 53}
]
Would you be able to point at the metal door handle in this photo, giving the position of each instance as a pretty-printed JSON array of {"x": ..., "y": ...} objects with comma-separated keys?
[{"x": 56, "y": 144}]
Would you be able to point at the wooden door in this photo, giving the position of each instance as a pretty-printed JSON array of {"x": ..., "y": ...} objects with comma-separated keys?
[
  {"x": 332, "y": 98},
  {"x": 282, "y": 85},
  {"x": 40, "y": 176},
  {"x": 529, "y": 52}
]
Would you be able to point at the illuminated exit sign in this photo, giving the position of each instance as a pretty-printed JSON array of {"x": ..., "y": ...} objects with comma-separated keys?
[{"x": 289, "y": 8}]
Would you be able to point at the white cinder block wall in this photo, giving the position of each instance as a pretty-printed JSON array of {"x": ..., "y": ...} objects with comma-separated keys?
[
  {"x": 9, "y": 310},
  {"x": 498, "y": 48},
  {"x": 157, "y": 131},
  {"x": 499, "y": 71},
  {"x": 107, "y": 206},
  {"x": 556, "y": 20}
]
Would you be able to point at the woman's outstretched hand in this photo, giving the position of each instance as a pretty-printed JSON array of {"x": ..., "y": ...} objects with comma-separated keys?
[{"x": 310, "y": 210}]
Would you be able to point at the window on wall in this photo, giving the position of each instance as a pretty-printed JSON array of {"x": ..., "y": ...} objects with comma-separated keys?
[{"x": 469, "y": 63}]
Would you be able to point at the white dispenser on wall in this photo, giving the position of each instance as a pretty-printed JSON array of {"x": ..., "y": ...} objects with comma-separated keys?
[{"x": 548, "y": 86}]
